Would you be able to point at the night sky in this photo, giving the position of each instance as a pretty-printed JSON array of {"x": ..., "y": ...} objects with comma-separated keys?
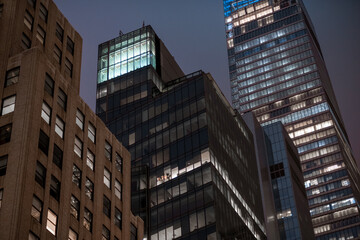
[{"x": 193, "y": 31}]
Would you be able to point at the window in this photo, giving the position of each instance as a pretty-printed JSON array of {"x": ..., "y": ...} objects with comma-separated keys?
[
  {"x": 62, "y": 99},
  {"x": 3, "y": 165},
  {"x": 72, "y": 235},
  {"x": 87, "y": 219},
  {"x": 59, "y": 127},
  {"x": 70, "y": 46},
  {"x": 5, "y": 134},
  {"x": 91, "y": 132},
  {"x": 40, "y": 174},
  {"x": 76, "y": 176},
  {"x": 55, "y": 188},
  {"x": 89, "y": 188},
  {"x": 68, "y": 67},
  {"x": 28, "y": 20},
  {"x": 108, "y": 151},
  {"x": 25, "y": 42},
  {"x": 32, "y": 236},
  {"x": 133, "y": 232},
  {"x": 43, "y": 13},
  {"x": 36, "y": 209},
  {"x": 51, "y": 222},
  {"x": 49, "y": 85},
  {"x": 8, "y": 105},
  {"x": 80, "y": 119},
  {"x": 118, "y": 189},
  {"x": 118, "y": 217},
  {"x": 32, "y": 3},
  {"x": 74, "y": 207},
  {"x": 78, "y": 147},
  {"x": 107, "y": 177},
  {"x": 46, "y": 112},
  {"x": 12, "y": 76},
  {"x": 1, "y": 8},
  {"x": 57, "y": 156},
  {"x": 105, "y": 233},
  {"x": 57, "y": 54},
  {"x": 1, "y": 196},
  {"x": 59, "y": 32},
  {"x": 90, "y": 159},
  {"x": 40, "y": 35},
  {"x": 118, "y": 162},
  {"x": 44, "y": 142},
  {"x": 106, "y": 206}
]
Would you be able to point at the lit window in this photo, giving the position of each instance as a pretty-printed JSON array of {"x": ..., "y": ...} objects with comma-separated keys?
[
  {"x": 8, "y": 105},
  {"x": 74, "y": 207},
  {"x": 1, "y": 196},
  {"x": 78, "y": 147},
  {"x": 36, "y": 209},
  {"x": 57, "y": 54},
  {"x": 68, "y": 67},
  {"x": 107, "y": 178},
  {"x": 40, "y": 174},
  {"x": 43, "y": 142},
  {"x": 59, "y": 127},
  {"x": 25, "y": 42},
  {"x": 90, "y": 159},
  {"x": 51, "y": 222},
  {"x": 3, "y": 165},
  {"x": 76, "y": 176},
  {"x": 91, "y": 132},
  {"x": 72, "y": 235},
  {"x": 59, "y": 32},
  {"x": 12, "y": 76},
  {"x": 49, "y": 85},
  {"x": 118, "y": 162},
  {"x": 62, "y": 99},
  {"x": 87, "y": 219},
  {"x": 89, "y": 188},
  {"x": 43, "y": 13},
  {"x": 40, "y": 35},
  {"x": 55, "y": 188},
  {"x": 105, "y": 233},
  {"x": 80, "y": 119},
  {"x": 46, "y": 112},
  {"x": 118, "y": 189},
  {"x": 108, "y": 151},
  {"x": 70, "y": 46},
  {"x": 28, "y": 20},
  {"x": 57, "y": 156},
  {"x": 118, "y": 218},
  {"x": 5, "y": 134},
  {"x": 106, "y": 206}
]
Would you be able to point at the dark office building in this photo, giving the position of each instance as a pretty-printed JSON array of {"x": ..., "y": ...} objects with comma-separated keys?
[
  {"x": 277, "y": 71},
  {"x": 193, "y": 157}
]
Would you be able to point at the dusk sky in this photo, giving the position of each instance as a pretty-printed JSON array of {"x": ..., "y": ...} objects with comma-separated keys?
[{"x": 193, "y": 31}]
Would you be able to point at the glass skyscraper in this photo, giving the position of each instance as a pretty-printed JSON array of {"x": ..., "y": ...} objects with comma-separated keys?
[{"x": 277, "y": 71}]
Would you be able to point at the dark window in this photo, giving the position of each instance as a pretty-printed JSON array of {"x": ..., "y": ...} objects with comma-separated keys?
[
  {"x": 3, "y": 165},
  {"x": 105, "y": 233},
  {"x": 68, "y": 67},
  {"x": 89, "y": 188},
  {"x": 49, "y": 85},
  {"x": 59, "y": 32},
  {"x": 28, "y": 20},
  {"x": 118, "y": 162},
  {"x": 25, "y": 42},
  {"x": 118, "y": 218},
  {"x": 277, "y": 170},
  {"x": 32, "y": 236},
  {"x": 1, "y": 195},
  {"x": 44, "y": 142},
  {"x": 43, "y": 13},
  {"x": 32, "y": 3},
  {"x": 55, "y": 188},
  {"x": 108, "y": 150},
  {"x": 74, "y": 207},
  {"x": 36, "y": 209},
  {"x": 40, "y": 35},
  {"x": 12, "y": 76},
  {"x": 40, "y": 174},
  {"x": 57, "y": 54},
  {"x": 57, "y": 156},
  {"x": 76, "y": 177},
  {"x": 133, "y": 232},
  {"x": 87, "y": 219},
  {"x": 1, "y": 8},
  {"x": 5, "y": 133},
  {"x": 62, "y": 99},
  {"x": 106, "y": 206},
  {"x": 70, "y": 46}
]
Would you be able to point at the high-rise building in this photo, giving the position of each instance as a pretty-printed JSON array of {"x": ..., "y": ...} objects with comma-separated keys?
[
  {"x": 63, "y": 175},
  {"x": 277, "y": 71},
  {"x": 193, "y": 156}
]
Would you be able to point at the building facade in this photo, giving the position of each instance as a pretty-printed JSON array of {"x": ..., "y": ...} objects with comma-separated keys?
[
  {"x": 194, "y": 168},
  {"x": 63, "y": 175},
  {"x": 278, "y": 72}
]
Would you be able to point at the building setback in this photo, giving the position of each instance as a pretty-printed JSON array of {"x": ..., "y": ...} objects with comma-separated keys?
[
  {"x": 63, "y": 175},
  {"x": 195, "y": 173},
  {"x": 277, "y": 71}
]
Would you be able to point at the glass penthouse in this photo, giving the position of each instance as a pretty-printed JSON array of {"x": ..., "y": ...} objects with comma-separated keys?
[
  {"x": 195, "y": 174},
  {"x": 278, "y": 72}
]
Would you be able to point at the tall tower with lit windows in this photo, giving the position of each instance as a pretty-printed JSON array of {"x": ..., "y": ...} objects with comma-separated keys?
[{"x": 278, "y": 72}]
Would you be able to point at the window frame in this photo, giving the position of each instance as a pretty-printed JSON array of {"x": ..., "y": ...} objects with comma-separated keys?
[
  {"x": 108, "y": 150},
  {"x": 78, "y": 145},
  {"x": 59, "y": 131},
  {"x": 76, "y": 176},
  {"x": 59, "y": 32},
  {"x": 68, "y": 67},
  {"x": 41, "y": 34},
  {"x": 43, "y": 14},
  {"x": 118, "y": 189},
  {"x": 44, "y": 141},
  {"x": 80, "y": 118},
  {"x": 40, "y": 177},
  {"x": 54, "y": 224},
  {"x": 70, "y": 45},
  {"x": 3, "y": 165},
  {"x": 58, "y": 156},
  {"x": 119, "y": 162},
  {"x": 75, "y": 234},
  {"x": 46, "y": 112},
  {"x": 62, "y": 99},
  {"x": 88, "y": 218},
  {"x": 107, "y": 178},
  {"x": 90, "y": 162},
  {"x": 25, "y": 41},
  {"x": 89, "y": 191},
  {"x": 57, "y": 54},
  {"x": 118, "y": 218},
  {"x": 49, "y": 85},
  {"x": 106, "y": 206},
  {"x": 74, "y": 207},
  {"x": 91, "y": 132},
  {"x": 5, "y": 133},
  {"x": 12, "y": 76},
  {"x": 55, "y": 189},
  {"x": 8, "y": 104},
  {"x": 28, "y": 20},
  {"x": 34, "y": 209}
]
